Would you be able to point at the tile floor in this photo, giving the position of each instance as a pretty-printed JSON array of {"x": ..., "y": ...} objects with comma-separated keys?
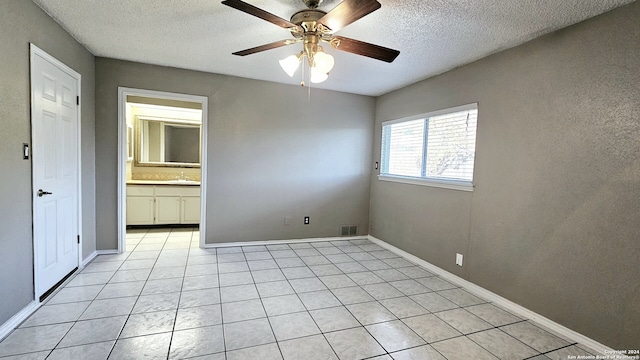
[{"x": 168, "y": 299}]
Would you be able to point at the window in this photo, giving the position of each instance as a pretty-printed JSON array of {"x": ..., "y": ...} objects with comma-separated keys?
[{"x": 432, "y": 149}]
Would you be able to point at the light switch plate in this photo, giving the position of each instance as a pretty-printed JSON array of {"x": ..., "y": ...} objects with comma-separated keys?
[
  {"x": 25, "y": 151},
  {"x": 459, "y": 259}
]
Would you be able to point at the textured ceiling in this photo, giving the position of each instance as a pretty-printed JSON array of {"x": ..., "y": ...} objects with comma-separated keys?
[{"x": 433, "y": 36}]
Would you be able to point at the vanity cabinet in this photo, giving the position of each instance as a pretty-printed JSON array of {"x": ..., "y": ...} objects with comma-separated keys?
[
  {"x": 140, "y": 205},
  {"x": 168, "y": 210},
  {"x": 190, "y": 210},
  {"x": 140, "y": 210},
  {"x": 163, "y": 204}
]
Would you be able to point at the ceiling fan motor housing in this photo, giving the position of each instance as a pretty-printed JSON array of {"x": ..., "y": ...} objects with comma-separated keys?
[
  {"x": 312, "y": 33},
  {"x": 307, "y": 18}
]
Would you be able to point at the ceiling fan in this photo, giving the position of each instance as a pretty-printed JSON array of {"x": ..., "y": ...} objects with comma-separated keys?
[{"x": 311, "y": 27}]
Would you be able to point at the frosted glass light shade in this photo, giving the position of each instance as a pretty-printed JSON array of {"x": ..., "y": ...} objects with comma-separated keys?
[
  {"x": 317, "y": 76},
  {"x": 323, "y": 62},
  {"x": 290, "y": 64}
]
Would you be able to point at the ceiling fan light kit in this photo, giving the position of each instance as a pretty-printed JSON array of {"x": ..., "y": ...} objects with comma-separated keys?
[
  {"x": 323, "y": 62},
  {"x": 312, "y": 27},
  {"x": 291, "y": 63}
]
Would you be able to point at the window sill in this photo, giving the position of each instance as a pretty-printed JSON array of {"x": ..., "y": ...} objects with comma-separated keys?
[{"x": 445, "y": 184}]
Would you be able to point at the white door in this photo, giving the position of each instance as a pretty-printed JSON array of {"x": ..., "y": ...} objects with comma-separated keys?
[{"x": 54, "y": 123}]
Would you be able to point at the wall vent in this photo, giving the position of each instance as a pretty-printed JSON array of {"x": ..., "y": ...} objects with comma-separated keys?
[{"x": 349, "y": 230}]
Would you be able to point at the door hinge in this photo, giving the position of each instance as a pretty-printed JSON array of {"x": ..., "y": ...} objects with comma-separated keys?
[
  {"x": 78, "y": 239},
  {"x": 77, "y": 100}
]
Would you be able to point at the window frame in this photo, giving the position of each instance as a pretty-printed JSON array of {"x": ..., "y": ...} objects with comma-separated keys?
[{"x": 423, "y": 180}]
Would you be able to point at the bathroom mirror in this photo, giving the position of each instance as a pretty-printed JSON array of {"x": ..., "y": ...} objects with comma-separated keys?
[{"x": 167, "y": 142}]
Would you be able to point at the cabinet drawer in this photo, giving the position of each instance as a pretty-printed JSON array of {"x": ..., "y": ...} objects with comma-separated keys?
[
  {"x": 139, "y": 190},
  {"x": 190, "y": 191},
  {"x": 178, "y": 190}
]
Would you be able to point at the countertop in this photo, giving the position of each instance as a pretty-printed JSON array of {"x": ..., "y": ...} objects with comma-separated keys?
[{"x": 163, "y": 182}]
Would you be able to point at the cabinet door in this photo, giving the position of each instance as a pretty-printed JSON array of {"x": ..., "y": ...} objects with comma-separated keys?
[
  {"x": 191, "y": 209},
  {"x": 139, "y": 210},
  {"x": 167, "y": 210}
]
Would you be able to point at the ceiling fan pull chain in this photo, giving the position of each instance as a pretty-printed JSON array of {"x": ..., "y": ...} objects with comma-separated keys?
[
  {"x": 302, "y": 75},
  {"x": 308, "y": 87}
]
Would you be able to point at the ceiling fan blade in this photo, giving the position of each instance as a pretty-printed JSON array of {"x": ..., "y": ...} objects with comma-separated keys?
[
  {"x": 365, "y": 49},
  {"x": 264, "y": 47},
  {"x": 255, "y": 11},
  {"x": 348, "y": 12}
]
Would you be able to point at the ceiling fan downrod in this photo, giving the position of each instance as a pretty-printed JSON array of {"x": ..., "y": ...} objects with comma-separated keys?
[{"x": 312, "y": 4}]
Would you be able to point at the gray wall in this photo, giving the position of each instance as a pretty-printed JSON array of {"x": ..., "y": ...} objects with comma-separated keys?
[
  {"x": 554, "y": 221},
  {"x": 22, "y": 22},
  {"x": 271, "y": 153}
]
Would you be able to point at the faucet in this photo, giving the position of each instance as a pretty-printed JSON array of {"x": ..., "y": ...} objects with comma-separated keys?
[{"x": 182, "y": 177}]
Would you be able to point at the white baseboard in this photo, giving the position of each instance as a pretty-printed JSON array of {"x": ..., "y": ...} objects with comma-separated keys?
[
  {"x": 88, "y": 259},
  {"x": 285, "y": 241},
  {"x": 107, "y": 252},
  {"x": 94, "y": 255},
  {"x": 22, "y": 315},
  {"x": 499, "y": 300},
  {"x": 17, "y": 319}
]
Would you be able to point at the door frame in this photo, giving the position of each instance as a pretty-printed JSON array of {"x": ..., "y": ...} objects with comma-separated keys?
[
  {"x": 36, "y": 51},
  {"x": 123, "y": 92}
]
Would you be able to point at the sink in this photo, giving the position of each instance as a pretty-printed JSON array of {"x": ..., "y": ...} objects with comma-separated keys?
[{"x": 185, "y": 182}]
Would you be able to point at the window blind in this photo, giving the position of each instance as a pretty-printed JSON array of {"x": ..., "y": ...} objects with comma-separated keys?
[{"x": 440, "y": 147}]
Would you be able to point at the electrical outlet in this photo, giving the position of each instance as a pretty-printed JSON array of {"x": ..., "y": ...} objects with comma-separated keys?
[
  {"x": 458, "y": 259},
  {"x": 306, "y": 220},
  {"x": 287, "y": 220}
]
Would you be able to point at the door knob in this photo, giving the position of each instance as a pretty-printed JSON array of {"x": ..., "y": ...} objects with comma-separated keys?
[{"x": 43, "y": 193}]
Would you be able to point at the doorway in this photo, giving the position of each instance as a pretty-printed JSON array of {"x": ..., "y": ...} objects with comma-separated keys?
[
  {"x": 162, "y": 162},
  {"x": 55, "y": 129}
]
